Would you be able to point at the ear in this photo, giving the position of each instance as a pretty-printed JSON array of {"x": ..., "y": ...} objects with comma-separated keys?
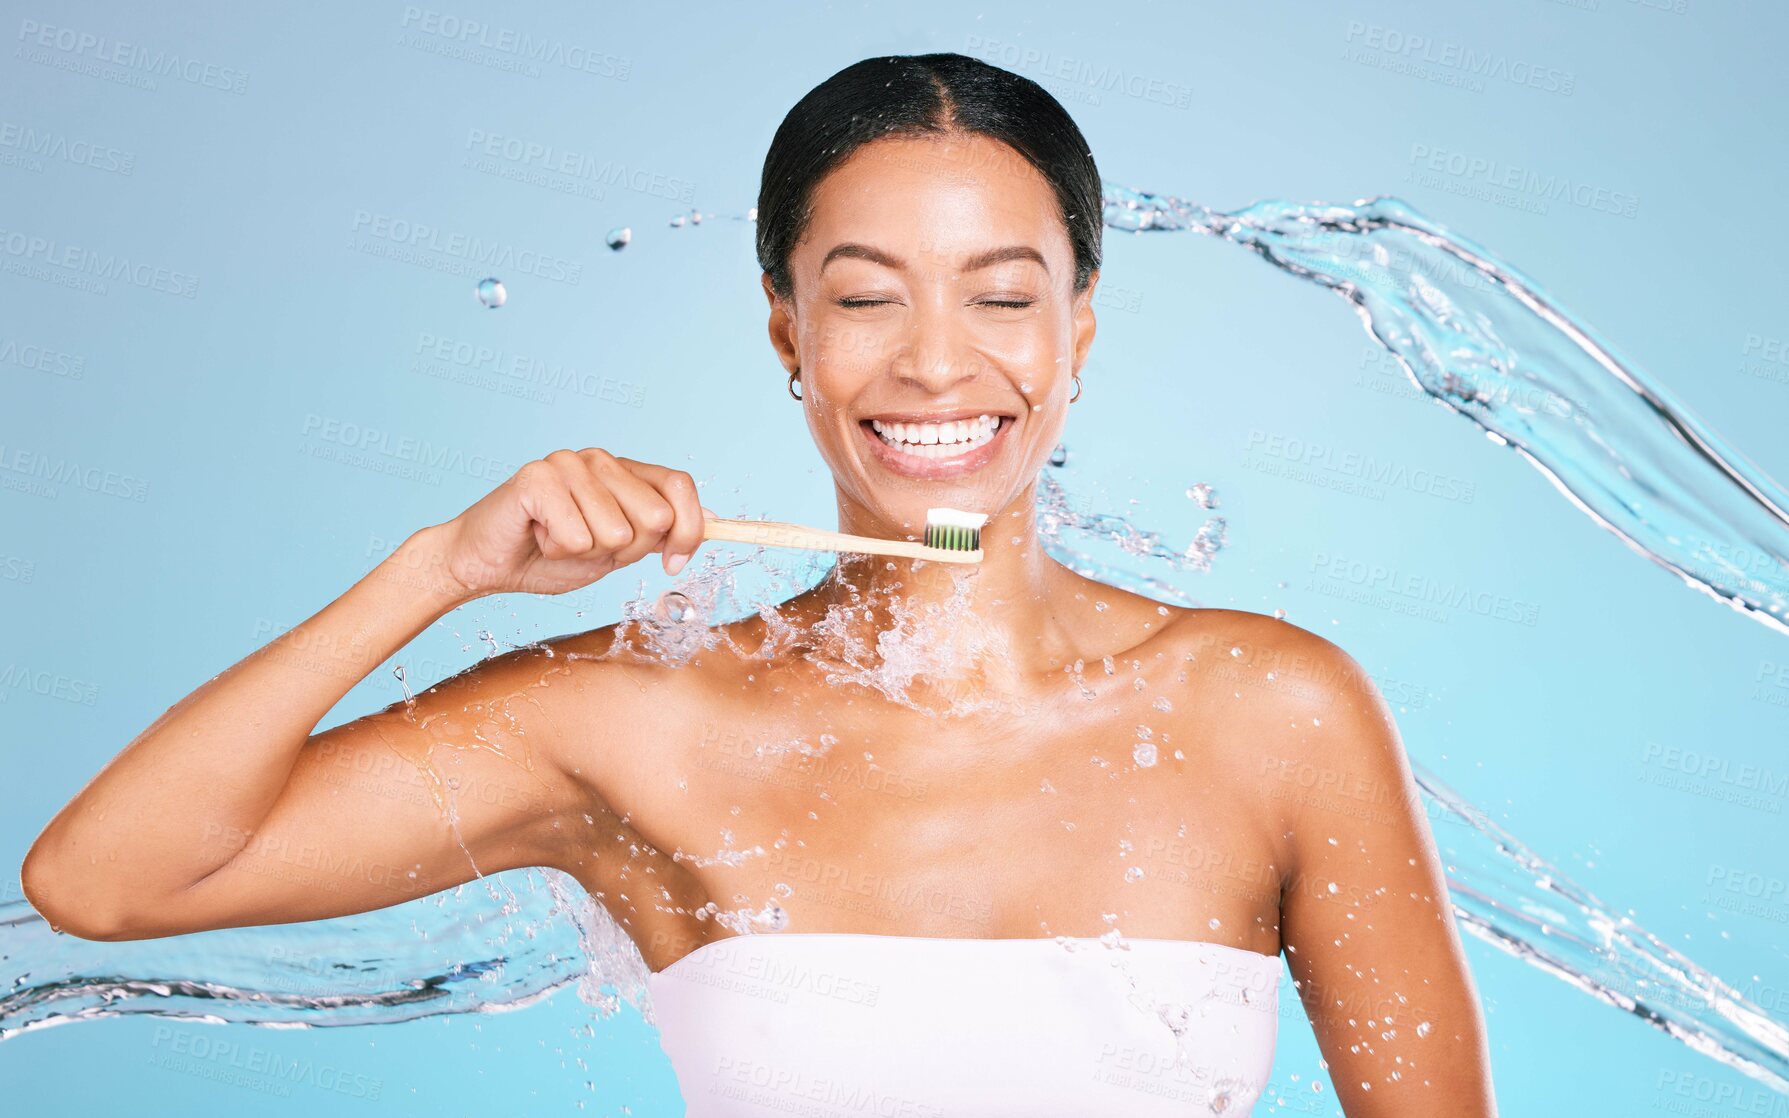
[
  {"x": 1085, "y": 325},
  {"x": 782, "y": 328}
]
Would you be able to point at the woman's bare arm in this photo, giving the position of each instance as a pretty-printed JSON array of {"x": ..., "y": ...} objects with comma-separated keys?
[
  {"x": 1366, "y": 921},
  {"x": 228, "y": 811}
]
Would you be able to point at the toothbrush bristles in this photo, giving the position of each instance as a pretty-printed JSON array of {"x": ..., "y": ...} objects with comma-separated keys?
[{"x": 954, "y": 529}]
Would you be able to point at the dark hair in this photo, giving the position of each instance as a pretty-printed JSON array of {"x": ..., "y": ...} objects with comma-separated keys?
[{"x": 922, "y": 94}]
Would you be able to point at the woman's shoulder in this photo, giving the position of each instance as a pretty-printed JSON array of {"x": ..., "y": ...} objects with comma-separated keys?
[
  {"x": 1258, "y": 633},
  {"x": 1303, "y": 673},
  {"x": 677, "y": 678}
]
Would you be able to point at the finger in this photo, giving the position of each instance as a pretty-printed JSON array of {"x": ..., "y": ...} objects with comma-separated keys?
[
  {"x": 609, "y": 529},
  {"x": 648, "y": 514},
  {"x": 559, "y": 526},
  {"x": 679, "y": 490}
]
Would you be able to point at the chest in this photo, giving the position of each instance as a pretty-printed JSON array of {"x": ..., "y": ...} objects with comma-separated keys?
[{"x": 1067, "y": 812}]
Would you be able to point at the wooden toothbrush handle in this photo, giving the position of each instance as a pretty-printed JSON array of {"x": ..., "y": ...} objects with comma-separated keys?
[{"x": 777, "y": 533}]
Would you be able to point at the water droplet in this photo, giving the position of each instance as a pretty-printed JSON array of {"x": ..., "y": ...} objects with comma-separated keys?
[
  {"x": 1059, "y": 456},
  {"x": 752, "y": 214},
  {"x": 619, "y": 239},
  {"x": 677, "y": 222},
  {"x": 675, "y": 608},
  {"x": 1203, "y": 495},
  {"x": 1422, "y": 1029},
  {"x": 1144, "y": 754},
  {"x": 492, "y": 293},
  {"x": 1214, "y": 923},
  {"x": 1135, "y": 873}
]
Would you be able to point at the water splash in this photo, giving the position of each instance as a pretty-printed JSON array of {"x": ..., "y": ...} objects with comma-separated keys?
[
  {"x": 1498, "y": 888},
  {"x": 1474, "y": 334},
  {"x": 479, "y": 947},
  {"x": 1489, "y": 344}
]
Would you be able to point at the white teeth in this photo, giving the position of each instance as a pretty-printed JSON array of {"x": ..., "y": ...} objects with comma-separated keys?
[{"x": 937, "y": 440}]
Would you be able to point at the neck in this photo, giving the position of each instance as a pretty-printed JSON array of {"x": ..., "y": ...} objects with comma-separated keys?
[{"x": 996, "y": 620}]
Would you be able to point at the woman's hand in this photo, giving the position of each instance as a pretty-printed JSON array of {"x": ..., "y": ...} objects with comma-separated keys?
[{"x": 570, "y": 518}]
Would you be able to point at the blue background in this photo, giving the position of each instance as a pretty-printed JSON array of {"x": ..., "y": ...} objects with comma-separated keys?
[{"x": 212, "y": 407}]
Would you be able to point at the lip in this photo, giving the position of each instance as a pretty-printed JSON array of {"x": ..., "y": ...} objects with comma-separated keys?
[
  {"x": 956, "y": 465},
  {"x": 935, "y": 417}
]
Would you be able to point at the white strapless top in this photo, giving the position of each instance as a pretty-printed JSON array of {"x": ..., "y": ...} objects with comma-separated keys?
[{"x": 861, "y": 1024}]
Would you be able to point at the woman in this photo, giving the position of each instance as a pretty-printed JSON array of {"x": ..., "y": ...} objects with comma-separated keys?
[{"x": 1022, "y": 842}]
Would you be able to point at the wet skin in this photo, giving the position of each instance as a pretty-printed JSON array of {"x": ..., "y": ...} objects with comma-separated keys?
[
  {"x": 1279, "y": 814},
  {"x": 1005, "y": 799}
]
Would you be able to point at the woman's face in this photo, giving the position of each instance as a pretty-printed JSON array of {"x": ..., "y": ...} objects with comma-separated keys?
[{"x": 934, "y": 285}]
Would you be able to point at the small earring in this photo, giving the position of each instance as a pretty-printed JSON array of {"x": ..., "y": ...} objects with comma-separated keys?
[
  {"x": 794, "y": 379},
  {"x": 1077, "y": 394}
]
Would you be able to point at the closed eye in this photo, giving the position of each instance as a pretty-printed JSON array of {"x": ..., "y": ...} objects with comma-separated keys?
[{"x": 1007, "y": 303}]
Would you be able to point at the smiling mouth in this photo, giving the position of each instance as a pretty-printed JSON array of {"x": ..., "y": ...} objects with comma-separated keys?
[
  {"x": 934, "y": 439},
  {"x": 932, "y": 448}
]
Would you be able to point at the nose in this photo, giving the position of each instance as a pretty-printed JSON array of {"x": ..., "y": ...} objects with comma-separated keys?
[{"x": 937, "y": 351}]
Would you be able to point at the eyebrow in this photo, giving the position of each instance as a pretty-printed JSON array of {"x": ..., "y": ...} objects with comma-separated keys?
[{"x": 975, "y": 263}]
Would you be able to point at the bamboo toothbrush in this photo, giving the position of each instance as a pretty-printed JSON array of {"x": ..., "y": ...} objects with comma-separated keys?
[{"x": 951, "y": 536}]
